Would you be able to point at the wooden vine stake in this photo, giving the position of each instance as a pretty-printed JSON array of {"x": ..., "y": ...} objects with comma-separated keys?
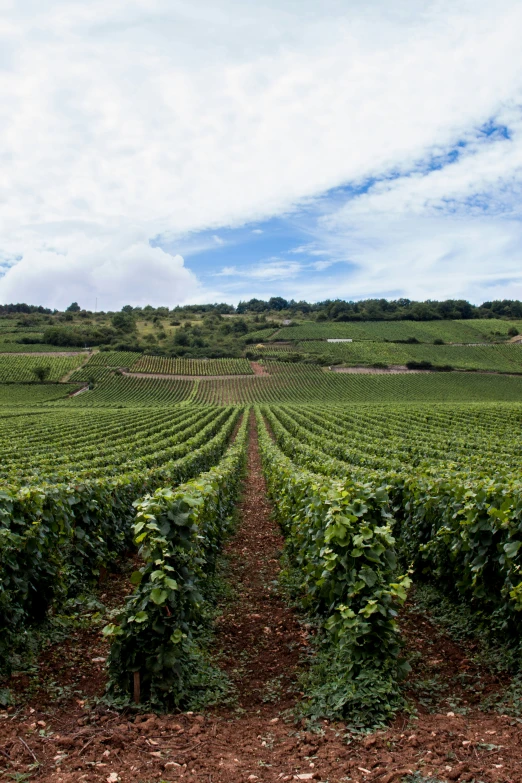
[{"x": 137, "y": 687}]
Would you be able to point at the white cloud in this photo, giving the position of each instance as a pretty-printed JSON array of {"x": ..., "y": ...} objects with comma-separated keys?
[
  {"x": 147, "y": 116},
  {"x": 112, "y": 273},
  {"x": 227, "y": 271},
  {"x": 257, "y": 231},
  {"x": 277, "y": 269}
]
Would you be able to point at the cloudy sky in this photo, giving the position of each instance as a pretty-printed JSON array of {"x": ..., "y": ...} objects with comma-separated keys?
[{"x": 170, "y": 151}]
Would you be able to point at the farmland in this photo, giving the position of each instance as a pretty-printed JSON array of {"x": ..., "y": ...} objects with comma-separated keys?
[
  {"x": 469, "y": 331},
  {"x": 496, "y": 358},
  {"x": 21, "y": 368},
  {"x": 381, "y": 486}
]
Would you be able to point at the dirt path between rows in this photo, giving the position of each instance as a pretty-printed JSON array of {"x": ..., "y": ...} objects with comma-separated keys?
[
  {"x": 259, "y": 637},
  {"x": 59, "y": 735}
]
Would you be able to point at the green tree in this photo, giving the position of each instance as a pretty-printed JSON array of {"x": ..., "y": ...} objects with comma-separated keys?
[
  {"x": 42, "y": 372},
  {"x": 124, "y": 322},
  {"x": 73, "y": 308}
]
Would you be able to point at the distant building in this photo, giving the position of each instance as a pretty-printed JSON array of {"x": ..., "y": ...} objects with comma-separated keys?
[
  {"x": 287, "y": 322},
  {"x": 339, "y": 340}
]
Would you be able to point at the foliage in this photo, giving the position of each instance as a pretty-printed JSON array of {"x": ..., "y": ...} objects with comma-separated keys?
[
  {"x": 124, "y": 322},
  {"x": 499, "y": 358},
  {"x": 22, "y": 368},
  {"x": 179, "y": 532},
  {"x": 52, "y": 534},
  {"x": 41, "y": 372},
  {"x": 458, "y": 524},
  {"x": 339, "y": 537},
  {"x": 163, "y": 364},
  {"x": 30, "y": 394},
  {"x": 74, "y": 336},
  {"x": 405, "y": 332}
]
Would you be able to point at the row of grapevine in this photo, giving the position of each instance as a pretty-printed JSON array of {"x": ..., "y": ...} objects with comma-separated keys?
[
  {"x": 7, "y": 345},
  {"x": 103, "y": 364},
  {"x": 457, "y": 496},
  {"x": 56, "y": 448},
  {"x": 464, "y": 331},
  {"x": 500, "y": 358},
  {"x": 340, "y": 542},
  {"x": 29, "y": 394},
  {"x": 303, "y": 383},
  {"x": 126, "y": 391},
  {"x": 179, "y": 532},
  {"x": 56, "y": 534},
  {"x": 262, "y": 334},
  {"x": 21, "y": 368},
  {"x": 114, "y": 358},
  {"x": 179, "y": 366},
  {"x": 300, "y": 383}
]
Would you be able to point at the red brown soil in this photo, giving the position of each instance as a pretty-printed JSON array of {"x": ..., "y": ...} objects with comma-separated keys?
[
  {"x": 259, "y": 635},
  {"x": 258, "y": 368},
  {"x": 259, "y": 643}
]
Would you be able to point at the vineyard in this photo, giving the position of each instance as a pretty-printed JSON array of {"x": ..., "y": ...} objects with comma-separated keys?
[
  {"x": 496, "y": 358},
  {"x": 164, "y": 365},
  {"x": 381, "y": 485},
  {"x": 21, "y": 368},
  {"x": 297, "y": 383},
  {"x": 31, "y": 394},
  {"x": 36, "y": 348},
  {"x": 470, "y": 331}
]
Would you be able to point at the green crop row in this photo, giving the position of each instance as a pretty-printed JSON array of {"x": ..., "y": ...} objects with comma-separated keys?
[
  {"x": 29, "y": 394},
  {"x": 37, "y": 348},
  {"x": 21, "y": 368},
  {"x": 500, "y": 358},
  {"x": 85, "y": 450},
  {"x": 339, "y": 541},
  {"x": 125, "y": 391},
  {"x": 179, "y": 532},
  {"x": 113, "y": 358},
  {"x": 300, "y": 383},
  {"x": 168, "y": 366},
  {"x": 54, "y": 536},
  {"x": 457, "y": 496},
  {"x": 467, "y": 331}
]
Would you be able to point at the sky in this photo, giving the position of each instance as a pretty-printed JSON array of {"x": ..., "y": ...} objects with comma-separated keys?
[{"x": 167, "y": 152}]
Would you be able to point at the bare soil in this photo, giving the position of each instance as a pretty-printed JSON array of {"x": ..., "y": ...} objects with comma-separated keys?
[
  {"x": 79, "y": 391},
  {"x": 59, "y": 735},
  {"x": 258, "y": 368}
]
